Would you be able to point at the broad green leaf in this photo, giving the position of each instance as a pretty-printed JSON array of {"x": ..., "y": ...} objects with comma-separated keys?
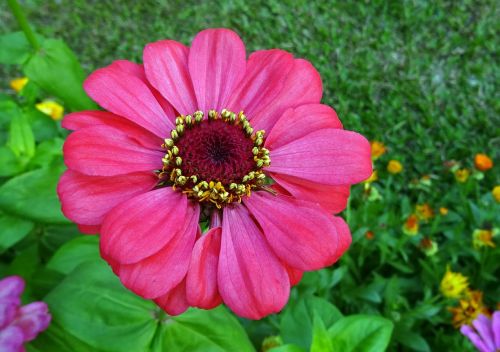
[
  {"x": 297, "y": 320},
  {"x": 411, "y": 340},
  {"x": 33, "y": 195},
  {"x": 361, "y": 333},
  {"x": 321, "y": 340},
  {"x": 92, "y": 305},
  {"x": 202, "y": 330},
  {"x": 21, "y": 138},
  {"x": 55, "y": 68},
  {"x": 47, "y": 152},
  {"x": 56, "y": 338},
  {"x": 14, "y": 48},
  {"x": 73, "y": 253},
  {"x": 287, "y": 348},
  {"x": 10, "y": 163},
  {"x": 12, "y": 230},
  {"x": 43, "y": 126}
]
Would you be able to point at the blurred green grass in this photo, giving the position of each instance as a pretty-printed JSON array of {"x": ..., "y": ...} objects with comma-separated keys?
[{"x": 419, "y": 75}]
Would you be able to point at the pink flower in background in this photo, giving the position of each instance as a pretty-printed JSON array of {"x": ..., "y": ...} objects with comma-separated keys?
[
  {"x": 484, "y": 332},
  {"x": 19, "y": 324},
  {"x": 203, "y": 133}
]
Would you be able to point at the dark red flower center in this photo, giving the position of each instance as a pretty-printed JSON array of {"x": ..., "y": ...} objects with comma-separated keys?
[
  {"x": 216, "y": 151},
  {"x": 217, "y": 160}
]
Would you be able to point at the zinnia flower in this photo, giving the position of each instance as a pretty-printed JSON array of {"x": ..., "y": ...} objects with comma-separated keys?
[
  {"x": 483, "y": 238},
  {"x": 468, "y": 309},
  {"x": 176, "y": 148},
  {"x": 51, "y": 108},
  {"x": 394, "y": 167},
  {"x": 443, "y": 211},
  {"x": 484, "y": 332},
  {"x": 410, "y": 226},
  {"x": 483, "y": 162},
  {"x": 424, "y": 211},
  {"x": 19, "y": 324},
  {"x": 378, "y": 149},
  {"x": 496, "y": 193},
  {"x": 462, "y": 175},
  {"x": 429, "y": 247},
  {"x": 453, "y": 284},
  {"x": 17, "y": 84}
]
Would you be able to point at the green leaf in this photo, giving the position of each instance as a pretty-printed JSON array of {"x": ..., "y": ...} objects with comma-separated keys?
[
  {"x": 10, "y": 163},
  {"x": 202, "y": 330},
  {"x": 47, "y": 152},
  {"x": 33, "y": 195},
  {"x": 55, "y": 68},
  {"x": 55, "y": 338},
  {"x": 321, "y": 340},
  {"x": 15, "y": 48},
  {"x": 73, "y": 253},
  {"x": 92, "y": 305},
  {"x": 411, "y": 340},
  {"x": 21, "y": 138},
  {"x": 287, "y": 348},
  {"x": 361, "y": 333},
  {"x": 12, "y": 230},
  {"x": 297, "y": 320}
]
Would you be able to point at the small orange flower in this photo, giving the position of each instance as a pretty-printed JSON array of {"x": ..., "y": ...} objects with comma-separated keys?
[
  {"x": 378, "y": 149},
  {"x": 369, "y": 235},
  {"x": 461, "y": 175},
  {"x": 468, "y": 309},
  {"x": 394, "y": 167},
  {"x": 410, "y": 227},
  {"x": 483, "y": 238},
  {"x": 428, "y": 246},
  {"x": 424, "y": 211},
  {"x": 443, "y": 211},
  {"x": 18, "y": 84},
  {"x": 496, "y": 193},
  {"x": 482, "y": 162},
  {"x": 51, "y": 108}
]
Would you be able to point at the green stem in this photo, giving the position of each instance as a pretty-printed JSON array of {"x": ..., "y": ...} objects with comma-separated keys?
[{"x": 18, "y": 13}]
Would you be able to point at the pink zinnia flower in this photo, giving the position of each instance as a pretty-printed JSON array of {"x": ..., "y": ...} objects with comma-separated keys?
[
  {"x": 176, "y": 148},
  {"x": 484, "y": 332},
  {"x": 19, "y": 324}
]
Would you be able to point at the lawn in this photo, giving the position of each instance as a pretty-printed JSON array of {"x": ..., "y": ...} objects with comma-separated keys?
[{"x": 421, "y": 77}]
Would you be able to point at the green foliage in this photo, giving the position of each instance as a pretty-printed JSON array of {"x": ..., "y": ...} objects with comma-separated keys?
[{"x": 419, "y": 76}]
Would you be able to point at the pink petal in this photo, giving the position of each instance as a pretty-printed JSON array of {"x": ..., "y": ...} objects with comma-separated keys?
[
  {"x": 329, "y": 156},
  {"x": 300, "y": 121},
  {"x": 300, "y": 233},
  {"x": 33, "y": 318},
  {"x": 11, "y": 339},
  {"x": 302, "y": 86},
  {"x": 105, "y": 151},
  {"x": 483, "y": 326},
  {"x": 264, "y": 79},
  {"x": 344, "y": 235},
  {"x": 143, "y": 225},
  {"x": 201, "y": 281},
  {"x": 251, "y": 279},
  {"x": 217, "y": 65},
  {"x": 11, "y": 287},
  {"x": 156, "y": 275},
  {"x": 332, "y": 198},
  {"x": 89, "y": 229},
  {"x": 467, "y": 331},
  {"x": 295, "y": 275},
  {"x": 166, "y": 64},
  {"x": 87, "y": 199},
  {"x": 83, "y": 119},
  {"x": 8, "y": 310},
  {"x": 137, "y": 70},
  {"x": 128, "y": 96},
  {"x": 174, "y": 302},
  {"x": 495, "y": 326}
]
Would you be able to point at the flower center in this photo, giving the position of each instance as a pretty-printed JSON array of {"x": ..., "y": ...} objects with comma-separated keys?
[{"x": 217, "y": 160}]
